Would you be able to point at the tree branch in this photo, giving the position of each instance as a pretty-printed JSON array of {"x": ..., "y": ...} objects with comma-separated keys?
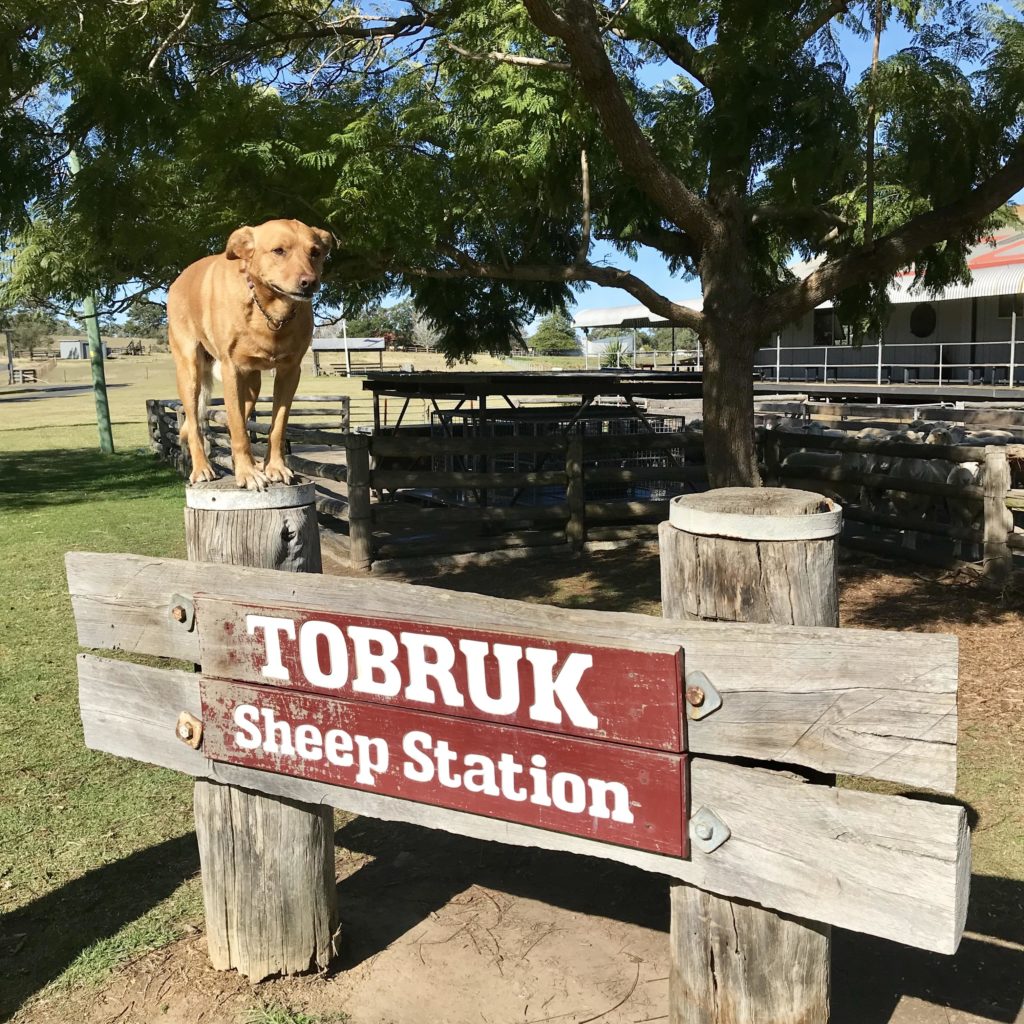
[
  {"x": 666, "y": 241},
  {"x": 584, "y": 249},
  {"x": 676, "y": 47},
  {"x": 831, "y": 10},
  {"x": 581, "y": 35},
  {"x": 896, "y": 250},
  {"x": 495, "y": 56},
  {"x": 610, "y": 277}
]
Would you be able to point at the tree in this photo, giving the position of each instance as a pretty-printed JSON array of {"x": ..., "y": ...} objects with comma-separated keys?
[
  {"x": 555, "y": 335},
  {"x": 395, "y": 322},
  {"x": 473, "y": 152},
  {"x": 29, "y": 329},
  {"x": 424, "y": 335},
  {"x": 145, "y": 319}
]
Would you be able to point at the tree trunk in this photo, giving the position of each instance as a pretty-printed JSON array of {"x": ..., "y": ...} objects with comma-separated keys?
[{"x": 729, "y": 408}]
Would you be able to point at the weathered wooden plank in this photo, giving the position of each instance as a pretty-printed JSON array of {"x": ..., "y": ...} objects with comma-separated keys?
[
  {"x": 902, "y": 449},
  {"x": 882, "y": 481},
  {"x": 858, "y": 702},
  {"x": 883, "y": 865},
  {"x": 410, "y": 446},
  {"x": 408, "y": 514},
  {"x": 394, "y": 478},
  {"x": 414, "y": 548}
]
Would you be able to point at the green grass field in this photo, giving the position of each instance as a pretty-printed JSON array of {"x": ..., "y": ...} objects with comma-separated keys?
[
  {"x": 65, "y": 811},
  {"x": 97, "y": 855}
]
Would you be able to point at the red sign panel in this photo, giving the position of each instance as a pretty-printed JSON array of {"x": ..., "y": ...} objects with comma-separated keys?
[
  {"x": 582, "y": 689},
  {"x": 604, "y": 791}
]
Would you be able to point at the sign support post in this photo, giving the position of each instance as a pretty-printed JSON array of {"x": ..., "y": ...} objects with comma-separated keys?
[
  {"x": 748, "y": 555},
  {"x": 267, "y": 861}
]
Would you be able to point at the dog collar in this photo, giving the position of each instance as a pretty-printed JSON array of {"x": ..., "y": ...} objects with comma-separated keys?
[{"x": 274, "y": 324}]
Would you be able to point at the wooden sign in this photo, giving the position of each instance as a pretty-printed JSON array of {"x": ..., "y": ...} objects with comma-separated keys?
[
  {"x": 573, "y": 737},
  {"x": 627, "y": 694},
  {"x": 603, "y": 791},
  {"x": 859, "y": 702}
]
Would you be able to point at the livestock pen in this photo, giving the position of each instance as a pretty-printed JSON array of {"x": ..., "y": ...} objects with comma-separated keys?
[{"x": 542, "y": 475}]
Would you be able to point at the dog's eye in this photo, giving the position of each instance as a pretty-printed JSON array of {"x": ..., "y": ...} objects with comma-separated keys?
[
  {"x": 278, "y": 251},
  {"x": 314, "y": 252}
]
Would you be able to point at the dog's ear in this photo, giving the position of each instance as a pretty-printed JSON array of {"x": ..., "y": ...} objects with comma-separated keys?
[
  {"x": 325, "y": 238},
  {"x": 241, "y": 245}
]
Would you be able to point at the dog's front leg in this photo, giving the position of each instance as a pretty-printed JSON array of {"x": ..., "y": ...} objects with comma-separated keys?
[
  {"x": 237, "y": 390},
  {"x": 286, "y": 380}
]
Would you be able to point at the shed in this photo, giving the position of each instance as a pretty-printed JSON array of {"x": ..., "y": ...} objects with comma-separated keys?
[
  {"x": 323, "y": 361},
  {"x": 74, "y": 348}
]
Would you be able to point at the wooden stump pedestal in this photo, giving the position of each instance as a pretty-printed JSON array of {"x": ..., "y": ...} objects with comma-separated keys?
[
  {"x": 748, "y": 555},
  {"x": 267, "y": 863}
]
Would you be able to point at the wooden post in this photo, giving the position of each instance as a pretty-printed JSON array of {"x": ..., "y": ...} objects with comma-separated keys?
[
  {"x": 267, "y": 862},
  {"x": 748, "y": 555},
  {"x": 576, "y": 528},
  {"x": 360, "y": 513},
  {"x": 998, "y": 557}
]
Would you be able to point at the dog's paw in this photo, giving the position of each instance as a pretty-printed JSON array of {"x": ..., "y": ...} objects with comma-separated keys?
[
  {"x": 251, "y": 479},
  {"x": 278, "y": 473},
  {"x": 202, "y": 474}
]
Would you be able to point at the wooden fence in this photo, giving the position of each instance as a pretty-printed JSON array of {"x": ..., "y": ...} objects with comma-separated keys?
[{"x": 386, "y": 498}]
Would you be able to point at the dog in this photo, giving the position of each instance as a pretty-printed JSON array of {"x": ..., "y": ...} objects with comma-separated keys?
[{"x": 248, "y": 309}]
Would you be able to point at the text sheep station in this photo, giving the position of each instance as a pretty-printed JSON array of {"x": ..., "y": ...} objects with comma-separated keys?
[
  {"x": 426, "y": 760},
  {"x": 364, "y": 659}
]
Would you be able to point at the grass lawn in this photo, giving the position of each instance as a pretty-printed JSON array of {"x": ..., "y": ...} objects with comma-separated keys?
[
  {"x": 98, "y": 860},
  {"x": 65, "y": 811}
]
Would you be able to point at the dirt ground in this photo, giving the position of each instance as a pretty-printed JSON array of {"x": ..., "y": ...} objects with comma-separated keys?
[{"x": 442, "y": 929}]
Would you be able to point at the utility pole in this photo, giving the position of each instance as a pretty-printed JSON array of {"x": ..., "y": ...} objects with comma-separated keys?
[{"x": 92, "y": 330}]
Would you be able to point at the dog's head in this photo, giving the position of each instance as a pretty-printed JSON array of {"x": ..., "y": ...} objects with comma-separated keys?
[{"x": 285, "y": 255}]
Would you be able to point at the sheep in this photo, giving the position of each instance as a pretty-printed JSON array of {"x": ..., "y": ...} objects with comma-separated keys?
[{"x": 966, "y": 513}]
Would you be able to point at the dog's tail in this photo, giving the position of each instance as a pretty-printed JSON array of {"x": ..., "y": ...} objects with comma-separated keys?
[{"x": 206, "y": 370}]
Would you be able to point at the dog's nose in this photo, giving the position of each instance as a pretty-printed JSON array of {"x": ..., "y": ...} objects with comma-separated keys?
[{"x": 306, "y": 283}]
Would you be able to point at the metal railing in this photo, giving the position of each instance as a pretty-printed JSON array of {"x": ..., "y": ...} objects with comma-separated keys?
[{"x": 952, "y": 362}]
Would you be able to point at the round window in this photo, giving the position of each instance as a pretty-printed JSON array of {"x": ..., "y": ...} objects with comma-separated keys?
[{"x": 922, "y": 320}]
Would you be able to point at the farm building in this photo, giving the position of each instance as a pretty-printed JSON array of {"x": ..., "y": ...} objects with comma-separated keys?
[
  {"x": 74, "y": 348},
  {"x": 967, "y": 334},
  {"x": 334, "y": 355}
]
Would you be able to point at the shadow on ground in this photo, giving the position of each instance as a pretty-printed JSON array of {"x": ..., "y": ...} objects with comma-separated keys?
[
  {"x": 39, "y": 941},
  {"x": 416, "y": 871},
  {"x": 31, "y": 480}
]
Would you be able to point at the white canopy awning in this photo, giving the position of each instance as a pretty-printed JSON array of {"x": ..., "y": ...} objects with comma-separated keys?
[{"x": 637, "y": 315}]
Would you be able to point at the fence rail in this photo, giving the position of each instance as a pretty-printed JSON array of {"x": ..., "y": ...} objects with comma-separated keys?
[
  {"x": 992, "y": 362},
  {"x": 408, "y": 494}
]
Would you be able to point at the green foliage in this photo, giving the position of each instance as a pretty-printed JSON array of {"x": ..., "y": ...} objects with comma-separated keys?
[
  {"x": 394, "y": 323},
  {"x": 33, "y": 328},
  {"x": 616, "y": 353},
  {"x": 145, "y": 319},
  {"x": 554, "y": 335},
  {"x": 451, "y": 176}
]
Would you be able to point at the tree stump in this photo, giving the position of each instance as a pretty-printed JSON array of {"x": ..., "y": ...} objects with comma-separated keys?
[
  {"x": 748, "y": 555},
  {"x": 267, "y": 863}
]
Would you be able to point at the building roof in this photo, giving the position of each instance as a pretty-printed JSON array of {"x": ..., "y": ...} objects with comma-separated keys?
[
  {"x": 352, "y": 344},
  {"x": 997, "y": 268}
]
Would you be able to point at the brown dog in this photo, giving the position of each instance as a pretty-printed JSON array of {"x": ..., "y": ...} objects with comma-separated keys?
[{"x": 248, "y": 308}]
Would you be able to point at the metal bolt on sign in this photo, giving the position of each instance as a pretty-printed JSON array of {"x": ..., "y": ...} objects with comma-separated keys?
[
  {"x": 189, "y": 730},
  {"x": 182, "y": 610},
  {"x": 702, "y": 699},
  {"x": 708, "y": 831}
]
